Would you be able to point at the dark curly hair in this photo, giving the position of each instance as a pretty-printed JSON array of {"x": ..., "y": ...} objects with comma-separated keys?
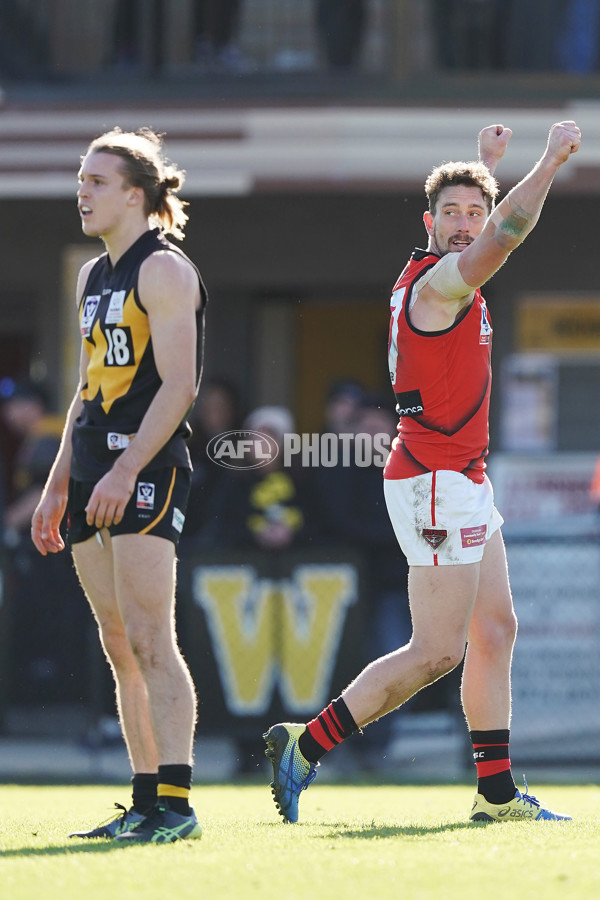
[{"x": 471, "y": 174}]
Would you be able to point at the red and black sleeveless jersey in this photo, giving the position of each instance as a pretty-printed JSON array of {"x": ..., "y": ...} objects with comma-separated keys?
[
  {"x": 442, "y": 382},
  {"x": 122, "y": 378}
]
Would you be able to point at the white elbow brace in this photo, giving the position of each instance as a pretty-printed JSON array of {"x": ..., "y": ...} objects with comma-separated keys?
[{"x": 445, "y": 278}]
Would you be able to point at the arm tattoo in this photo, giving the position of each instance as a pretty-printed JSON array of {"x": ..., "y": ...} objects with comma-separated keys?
[
  {"x": 516, "y": 224},
  {"x": 513, "y": 226}
]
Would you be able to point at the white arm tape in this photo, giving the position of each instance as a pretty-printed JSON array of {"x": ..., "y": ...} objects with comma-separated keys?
[
  {"x": 514, "y": 223},
  {"x": 445, "y": 278},
  {"x": 497, "y": 218}
]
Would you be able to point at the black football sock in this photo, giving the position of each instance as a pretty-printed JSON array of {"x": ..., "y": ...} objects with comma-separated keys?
[
  {"x": 174, "y": 785},
  {"x": 144, "y": 791}
]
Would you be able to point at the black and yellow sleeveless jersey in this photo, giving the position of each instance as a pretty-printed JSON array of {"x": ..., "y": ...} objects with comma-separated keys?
[{"x": 122, "y": 378}]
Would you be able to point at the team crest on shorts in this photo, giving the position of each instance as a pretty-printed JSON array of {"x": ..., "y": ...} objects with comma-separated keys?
[
  {"x": 145, "y": 495},
  {"x": 435, "y": 536}
]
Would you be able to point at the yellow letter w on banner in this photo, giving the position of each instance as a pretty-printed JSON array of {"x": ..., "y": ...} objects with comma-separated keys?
[
  {"x": 314, "y": 613},
  {"x": 239, "y": 615},
  {"x": 265, "y": 632}
]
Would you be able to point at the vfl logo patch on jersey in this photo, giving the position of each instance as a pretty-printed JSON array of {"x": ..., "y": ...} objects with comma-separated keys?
[
  {"x": 485, "y": 329},
  {"x": 90, "y": 306},
  {"x": 435, "y": 536},
  {"x": 118, "y": 441},
  {"x": 145, "y": 495}
]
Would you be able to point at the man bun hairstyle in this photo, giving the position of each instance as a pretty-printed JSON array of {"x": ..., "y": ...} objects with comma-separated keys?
[
  {"x": 471, "y": 174},
  {"x": 145, "y": 166}
]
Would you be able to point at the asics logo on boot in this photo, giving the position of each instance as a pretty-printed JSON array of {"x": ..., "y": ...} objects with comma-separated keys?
[{"x": 513, "y": 813}]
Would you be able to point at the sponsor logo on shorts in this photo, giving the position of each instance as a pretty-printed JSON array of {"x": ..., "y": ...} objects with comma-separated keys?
[
  {"x": 178, "y": 520},
  {"x": 473, "y": 537},
  {"x": 435, "y": 536},
  {"x": 145, "y": 495}
]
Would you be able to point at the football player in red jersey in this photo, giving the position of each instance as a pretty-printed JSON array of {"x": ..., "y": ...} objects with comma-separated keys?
[{"x": 438, "y": 495}]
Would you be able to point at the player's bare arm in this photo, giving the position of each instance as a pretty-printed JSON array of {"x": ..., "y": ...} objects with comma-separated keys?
[
  {"x": 460, "y": 215},
  {"x": 492, "y": 142},
  {"x": 473, "y": 247},
  {"x": 168, "y": 287},
  {"x": 517, "y": 214}
]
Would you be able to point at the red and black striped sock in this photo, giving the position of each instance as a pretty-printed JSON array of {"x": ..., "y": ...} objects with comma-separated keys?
[
  {"x": 494, "y": 777},
  {"x": 330, "y": 728}
]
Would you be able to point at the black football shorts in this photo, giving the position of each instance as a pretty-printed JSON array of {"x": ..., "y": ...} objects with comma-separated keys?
[{"x": 157, "y": 506}]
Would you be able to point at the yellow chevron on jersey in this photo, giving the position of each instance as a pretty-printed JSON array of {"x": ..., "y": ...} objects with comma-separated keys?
[{"x": 115, "y": 352}]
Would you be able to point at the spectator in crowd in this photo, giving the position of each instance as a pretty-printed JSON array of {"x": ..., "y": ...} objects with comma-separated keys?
[
  {"x": 370, "y": 523},
  {"x": 343, "y": 406},
  {"x": 126, "y": 32},
  {"x": 37, "y": 436},
  {"x": 578, "y": 39},
  {"x": 353, "y": 514},
  {"x": 340, "y": 28},
  {"x": 532, "y": 32},
  {"x": 540, "y": 35},
  {"x": 471, "y": 34},
  {"x": 47, "y": 621},
  {"x": 217, "y": 410},
  {"x": 262, "y": 507},
  {"x": 216, "y": 24}
]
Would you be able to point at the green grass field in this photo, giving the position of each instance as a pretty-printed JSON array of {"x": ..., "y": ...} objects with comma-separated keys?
[{"x": 379, "y": 842}]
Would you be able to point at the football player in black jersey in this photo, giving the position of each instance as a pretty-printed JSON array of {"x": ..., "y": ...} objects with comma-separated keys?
[{"x": 122, "y": 472}]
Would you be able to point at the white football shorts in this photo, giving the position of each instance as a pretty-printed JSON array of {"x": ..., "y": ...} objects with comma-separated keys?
[{"x": 442, "y": 518}]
